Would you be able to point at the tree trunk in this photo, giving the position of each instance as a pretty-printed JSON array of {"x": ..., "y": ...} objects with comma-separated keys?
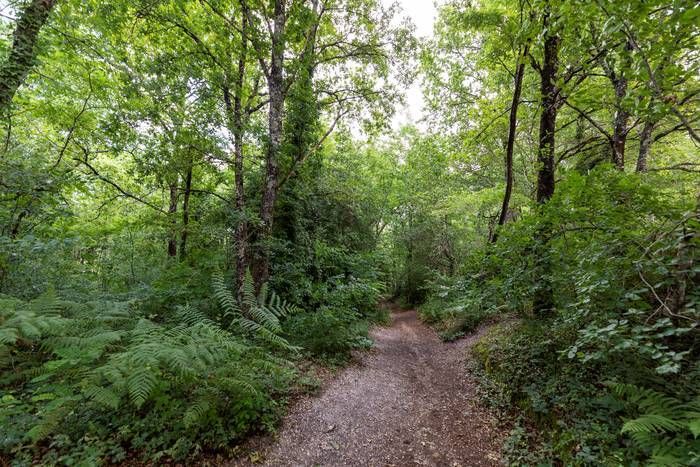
[
  {"x": 645, "y": 140},
  {"x": 548, "y": 118},
  {"x": 172, "y": 210},
  {"x": 21, "y": 57},
  {"x": 543, "y": 300},
  {"x": 512, "y": 126},
  {"x": 275, "y": 83},
  {"x": 241, "y": 235},
  {"x": 186, "y": 211},
  {"x": 619, "y": 137}
]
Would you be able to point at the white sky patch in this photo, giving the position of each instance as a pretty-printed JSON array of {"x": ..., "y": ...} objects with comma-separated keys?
[{"x": 422, "y": 13}]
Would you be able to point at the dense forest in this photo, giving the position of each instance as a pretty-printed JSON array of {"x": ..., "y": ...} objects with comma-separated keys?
[{"x": 205, "y": 204}]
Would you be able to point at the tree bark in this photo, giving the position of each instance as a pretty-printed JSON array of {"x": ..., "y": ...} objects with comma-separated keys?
[
  {"x": 548, "y": 118},
  {"x": 186, "y": 211},
  {"x": 172, "y": 210},
  {"x": 275, "y": 84},
  {"x": 619, "y": 138},
  {"x": 21, "y": 57},
  {"x": 236, "y": 111},
  {"x": 242, "y": 228},
  {"x": 543, "y": 299},
  {"x": 645, "y": 140},
  {"x": 512, "y": 126}
]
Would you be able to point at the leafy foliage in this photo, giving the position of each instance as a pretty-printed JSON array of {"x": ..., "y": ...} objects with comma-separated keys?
[
  {"x": 146, "y": 146},
  {"x": 115, "y": 364},
  {"x": 260, "y": 315},
  {"x": 623, "y": 259},
  {"x": 666, "y": 428}
]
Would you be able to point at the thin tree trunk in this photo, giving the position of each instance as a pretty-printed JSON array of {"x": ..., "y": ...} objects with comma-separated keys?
[
  {"x": 241, "y": 235},
  {"x": 186, "y": 211},
  {"x": 21, "y": 57},
  {"x": 172, "y": 210},
  {"x": 275, "y": 82},
  {"x": 513, "y": 123},
  {"x": 645, "y": 140}
]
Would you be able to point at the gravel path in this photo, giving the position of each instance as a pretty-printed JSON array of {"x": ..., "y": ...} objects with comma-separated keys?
[{"x": 410, "y": 401}]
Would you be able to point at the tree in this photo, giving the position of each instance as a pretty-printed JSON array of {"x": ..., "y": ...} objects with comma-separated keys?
[
  {"x": 22, "y": 54},
  {"x": 512, "y": 125},
  {"x": 550, "y": 103}
]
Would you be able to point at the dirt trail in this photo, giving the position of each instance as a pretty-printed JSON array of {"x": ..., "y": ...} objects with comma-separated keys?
[{"x": 410, "y": 401}]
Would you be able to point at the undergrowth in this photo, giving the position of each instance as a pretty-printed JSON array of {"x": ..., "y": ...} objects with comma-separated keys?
[
  {"x": 612, "y": 376},
  {"x": 98, "y": 381}
]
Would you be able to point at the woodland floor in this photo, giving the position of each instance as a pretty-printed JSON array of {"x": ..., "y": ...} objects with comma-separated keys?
[{"x": 409, "y": 401}]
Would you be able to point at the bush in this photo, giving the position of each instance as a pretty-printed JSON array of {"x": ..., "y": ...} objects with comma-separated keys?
[
  {"x": 457, "y": 307},
  {"x": 329, "y": 334},
  {"x": 622, "y": 257},
  {"x": 88, "y": 381}
]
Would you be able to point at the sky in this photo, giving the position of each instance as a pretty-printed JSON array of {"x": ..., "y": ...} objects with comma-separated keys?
[{"x": 422, "y": 13}]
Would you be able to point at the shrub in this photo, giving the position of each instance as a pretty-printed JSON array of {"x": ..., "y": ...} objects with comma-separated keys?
[
  {"x": 329, "y": 334},
  {"x": 622, "y": 256},
  {"x": 83, "y": 382}
]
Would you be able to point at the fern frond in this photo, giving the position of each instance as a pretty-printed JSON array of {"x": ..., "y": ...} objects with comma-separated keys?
[
  {"x": 196, "y": 411},
  {"x": 47, "y": 303},
  {"x": 141, "y": 383},
  {"x": 240, "y": 384},
  {"x": 266, "y": 318},
  {"x": 103, "y": 396},
  {"x": 191, "y": 316},
  {"x": 277, "y": 340},
  {"x": 248, "y": 292},
  {"x": 8, "y": 335},
  {"x": 226, "y": 300},
  {"x": 652, "y": 423}
]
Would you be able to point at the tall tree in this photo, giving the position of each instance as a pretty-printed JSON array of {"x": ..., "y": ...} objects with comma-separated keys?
[
  {"x": 274, "y": 74},
  {"x": 550, "y": 103},
  {"x": 186, "y": 194},
  {"x": 22, "y": 54},
  {"x": 236, "y": 117},
  {"x": 620, "y": 82}
]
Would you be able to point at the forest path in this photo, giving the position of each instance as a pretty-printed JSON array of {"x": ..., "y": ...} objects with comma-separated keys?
[{"x": 409, "y": 401}]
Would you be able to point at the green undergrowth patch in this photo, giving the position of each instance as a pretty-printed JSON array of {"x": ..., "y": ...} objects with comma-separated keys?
[
  {"x": 105, "y": 381},
  {"x": 610, "y": 374},
  {"x": 454, "y": 312}
]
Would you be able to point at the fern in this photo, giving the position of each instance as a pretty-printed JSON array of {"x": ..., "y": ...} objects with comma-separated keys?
[
  {"x": 223, "y": 295},
  {"x": 666, "y": 428},
  {"x": 100, "y": 357},
  {"x": 257, "y": 314},
  {"x": 141, "y": 383},
  {"x": 103, "y": 396},
  {"x": 197, "y": 410}
]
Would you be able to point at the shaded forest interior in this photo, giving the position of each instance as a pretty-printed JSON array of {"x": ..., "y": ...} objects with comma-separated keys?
[{"x": 203, "y": 203}]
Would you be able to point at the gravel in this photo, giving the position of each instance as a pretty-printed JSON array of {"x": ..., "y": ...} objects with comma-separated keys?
[{"x": 409, "y": 401}]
